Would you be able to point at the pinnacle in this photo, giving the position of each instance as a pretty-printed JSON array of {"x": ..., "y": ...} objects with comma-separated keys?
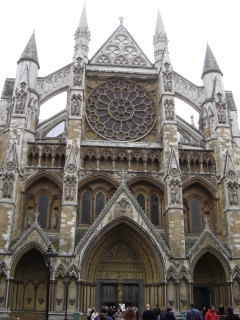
[
  {"x": 83, "y": 23},
  {"x": 159, "y": 24},
  {"x": 210, "y": 63},
  {"x": 30, "y": 51}
]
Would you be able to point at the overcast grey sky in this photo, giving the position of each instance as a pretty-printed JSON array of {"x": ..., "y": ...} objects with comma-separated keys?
[{"x": 189, "y": 25}]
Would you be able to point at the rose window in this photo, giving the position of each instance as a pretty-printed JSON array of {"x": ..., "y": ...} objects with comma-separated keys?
[{"x": 121, "y": 110}]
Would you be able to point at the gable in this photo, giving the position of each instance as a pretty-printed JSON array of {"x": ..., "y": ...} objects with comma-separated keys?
[{"x": 121, "y": 50}]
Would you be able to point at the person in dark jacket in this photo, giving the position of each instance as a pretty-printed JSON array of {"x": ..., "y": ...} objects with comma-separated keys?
[
  {"x": 230, "y": 315},
  {"x": 193, "y": 313},
  {"x": 148, "y": 314},
  {"x": 169, "y": 314}
]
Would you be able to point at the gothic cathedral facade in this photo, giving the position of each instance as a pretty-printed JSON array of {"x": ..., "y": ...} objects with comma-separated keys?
[{"x": 138, "y": 205}]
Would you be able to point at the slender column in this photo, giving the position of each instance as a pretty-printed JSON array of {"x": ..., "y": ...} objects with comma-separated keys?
[
  {"x": 97, "y": 164},
  {"x": 78, "y": 294},
  {"x": 177, "y": 284},
  {"x": 113, "y": 164},
  {"x": 190, "y": 291},
  {"x": 7, "y": 293},
  {"x": 53, "y": 295},
  {"x": 129, "y": 165}
]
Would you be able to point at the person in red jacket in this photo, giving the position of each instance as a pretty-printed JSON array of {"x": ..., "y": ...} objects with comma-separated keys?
[{"x": 211, "y": 314}]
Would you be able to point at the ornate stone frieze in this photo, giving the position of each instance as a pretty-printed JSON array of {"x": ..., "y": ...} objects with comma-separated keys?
[{"x": 123, "y": 74}]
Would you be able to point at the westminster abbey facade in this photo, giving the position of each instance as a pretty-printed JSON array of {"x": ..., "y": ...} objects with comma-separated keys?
[{"x": 138, "y": 205}]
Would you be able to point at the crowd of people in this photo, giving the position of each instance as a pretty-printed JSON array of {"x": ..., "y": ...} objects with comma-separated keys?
[{"x": 132, "y": 313}]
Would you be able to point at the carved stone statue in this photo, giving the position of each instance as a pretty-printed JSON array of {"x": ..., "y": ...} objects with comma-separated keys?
[
  {"x": 10, "y": 187},
  {"x": 55, "y": 220},
  {"x": 29, "y": 220}
]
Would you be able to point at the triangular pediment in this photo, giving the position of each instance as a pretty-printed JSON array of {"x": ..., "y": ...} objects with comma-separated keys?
[
  {"x": 121, "y": 50},
  {"x": 122, "y": 205},
  {"x": 33, "y": 234},
  {"x": 229, "y": 169},
  {"x": 208, "y": 239}
]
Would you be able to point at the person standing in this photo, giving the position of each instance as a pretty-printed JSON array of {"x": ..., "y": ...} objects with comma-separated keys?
[
  {"x": 89, "y": 311},
  {"x": 148, "y": 314},
  {"x": 211, "y": 314},
  {"x": 94, "y": 314},
  {"x": 221, "y": 309},
  {"x": 118, "y": 315},
  {"x": 169, "y": 314},
  {"x": 193, "y": 313},
  {"x": 231, "y": 315}
]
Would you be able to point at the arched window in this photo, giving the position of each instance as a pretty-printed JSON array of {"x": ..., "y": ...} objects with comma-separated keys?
[
  {"x": 195, "y": 216},
  {"x": 86, "y": 199},
  {"x": 99, "y": 203},
  {"x": 154, "y": 209},
  {"x": 43, "y": 210},
  {"x": 141, "y": 200}
]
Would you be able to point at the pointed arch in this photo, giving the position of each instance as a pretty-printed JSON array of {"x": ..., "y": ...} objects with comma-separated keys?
[
  {"x": 60, "y": 271},
  {"x": 43, "y": 174},
  {"x": 171, "y": 273},
  {"x": 203, "y": 182},
  {"x": 217, "y": 254}
]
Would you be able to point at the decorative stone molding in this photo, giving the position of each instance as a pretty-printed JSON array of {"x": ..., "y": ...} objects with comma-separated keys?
[
  {"x": 72, "y": 301},
  {"x": 76, "y": 102}
]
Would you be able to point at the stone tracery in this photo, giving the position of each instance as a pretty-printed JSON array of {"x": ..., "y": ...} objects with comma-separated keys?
[{"x": 121, "y": 110}]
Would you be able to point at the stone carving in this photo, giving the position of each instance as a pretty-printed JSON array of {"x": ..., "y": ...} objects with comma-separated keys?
[
  {"x": 8, "y": 184},
  {"x": 221, "y": 106},
  {"x": 70, "y": 187},
  {"x": 76, "y": 101},
  {"x": 29, "y": 220},
  {"x": 103, "y": 59},
  {"x": 175, "y": 193},
  {"x": 206, "y": 219},
  {"x": 123, "y": 205},
  {"x": 139, "y": 62},
  {"x": 167, "y": 78},
  {"x": 21, "y": 96},
  {"x": 120, "y": 292},
  {"x": 169, "y": 109},
  {"x": 78, "y": 70},
  {"x": 55, "y": 220},
  {"x": 233, "y": 193}
]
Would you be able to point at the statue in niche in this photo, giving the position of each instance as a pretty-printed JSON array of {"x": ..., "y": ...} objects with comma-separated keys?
[
  {"x": 78, "y": 69},
  {"x": 55, "y": 220},
  {"x": 67, "y": 190},
  {"x": 29, "y": 220},
  {"x": 72, "y": 191},
  {"x": 21, "y": 96},
  {"x": 5, "y": 189},
  {"x": 10, "y": 187},
  {"x": 221, "y": 115},
  {"x": 120, "y": 292},
  {"x": 76, "y": 104}
]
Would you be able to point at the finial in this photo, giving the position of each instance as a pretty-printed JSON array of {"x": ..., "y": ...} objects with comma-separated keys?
[
  {"x": 206, "y": 219},
  {"x": 121, "y": 20},
  {"x": 36, "y": 214},
  {"x": 123, "y": 174}
]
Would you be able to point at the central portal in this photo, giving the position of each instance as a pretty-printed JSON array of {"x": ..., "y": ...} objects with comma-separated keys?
[{"x": 113, "y": 293}]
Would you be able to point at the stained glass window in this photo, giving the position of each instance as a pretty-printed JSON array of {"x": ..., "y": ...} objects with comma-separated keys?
[
  {"x": 86, "y": 204},
  {"x": 43, "y": 210},
  {"x": 154, "y": 209}
]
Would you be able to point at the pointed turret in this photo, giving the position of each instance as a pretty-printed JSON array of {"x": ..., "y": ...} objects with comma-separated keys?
[
  {"x": 210, "y": 72},
  {"x": 210, "y": 63},
  {"x": 82, "y": 34},
  {"x": 160, "y": 40},
  {"x": 30, "y": 51}
]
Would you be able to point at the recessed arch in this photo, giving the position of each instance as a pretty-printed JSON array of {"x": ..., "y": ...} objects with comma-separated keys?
[
  {"x": 43, "y": 174},
  {"x": 129, "y": 232},
  {"x": 202, "y": 182}
]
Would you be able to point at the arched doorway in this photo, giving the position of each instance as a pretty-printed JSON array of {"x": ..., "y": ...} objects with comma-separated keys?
[
  {"x": 121, "y": 266},
  {"x": 28, "y": 290},
  {"x": 210, "y": 287}
]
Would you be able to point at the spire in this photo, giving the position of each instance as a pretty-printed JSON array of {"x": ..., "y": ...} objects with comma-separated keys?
[
  {"x": 160, "y": 40},
  {"x": 83, "y": 20},
  {"x": 159, "y": 24},
  {"x": 82, "y": 34},
  {"x": 30, "y": 51},
  {"x": 210, "y": 63}
]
